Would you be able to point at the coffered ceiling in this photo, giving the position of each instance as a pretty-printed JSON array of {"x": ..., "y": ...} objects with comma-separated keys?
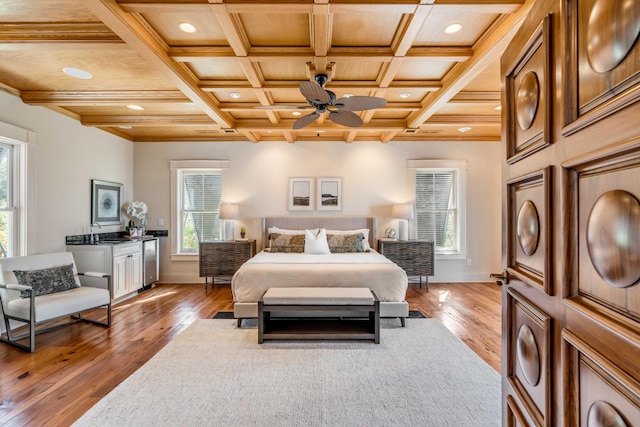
[{"x": 206, "y": 85}]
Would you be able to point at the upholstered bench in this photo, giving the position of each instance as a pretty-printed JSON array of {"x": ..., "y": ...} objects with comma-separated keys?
[{"x": 355, "y": 314}]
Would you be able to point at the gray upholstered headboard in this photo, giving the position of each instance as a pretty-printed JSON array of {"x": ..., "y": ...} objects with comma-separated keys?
[{"x": 329, "y": 222}]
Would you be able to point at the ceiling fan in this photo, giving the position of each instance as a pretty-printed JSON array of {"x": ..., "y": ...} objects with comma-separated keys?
[{"x": 340, "y": 110}]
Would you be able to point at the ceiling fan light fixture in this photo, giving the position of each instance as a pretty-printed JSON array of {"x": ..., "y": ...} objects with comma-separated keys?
[
  {"x": 135, "y": 107},
  {"x": 235, "y": 95},
  {"x": 187, "y": 27},
  {"x": 405, "y": 95},
  {"x": 77, "y": 73},
  {"x": 464, "y": 129},
  {"x": 453, "y": 28}
]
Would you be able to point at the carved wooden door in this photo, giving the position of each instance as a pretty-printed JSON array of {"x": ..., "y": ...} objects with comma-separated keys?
[{"x": 571, "y": 246}]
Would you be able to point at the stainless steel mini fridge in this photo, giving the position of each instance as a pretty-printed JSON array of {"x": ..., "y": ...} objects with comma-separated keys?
[{"x": 151, "y": 262}]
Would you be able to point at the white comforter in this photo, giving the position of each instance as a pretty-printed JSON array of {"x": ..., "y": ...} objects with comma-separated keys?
[{"x": 362, "y": 269}]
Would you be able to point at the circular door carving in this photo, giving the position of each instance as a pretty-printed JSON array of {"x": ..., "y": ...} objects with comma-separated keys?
[
  {"x": 602, "y": 414},
  {"x": 613, "y": 238},
  {"x": 607, "y": 43},
  {"x": 527, "y": 100},
  {"x": 528, "y": 228},
  {"x": 528, "y": 355}
]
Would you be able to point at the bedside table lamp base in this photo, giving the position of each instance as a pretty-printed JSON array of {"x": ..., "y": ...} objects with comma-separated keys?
[{"x": 403, "y": 230}]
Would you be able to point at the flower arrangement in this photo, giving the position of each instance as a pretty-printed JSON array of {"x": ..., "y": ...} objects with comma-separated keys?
[{"x": 138, "y": 210}]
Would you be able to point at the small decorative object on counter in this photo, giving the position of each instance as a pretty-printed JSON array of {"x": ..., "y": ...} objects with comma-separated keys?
[{"x": 243, "y": 232}]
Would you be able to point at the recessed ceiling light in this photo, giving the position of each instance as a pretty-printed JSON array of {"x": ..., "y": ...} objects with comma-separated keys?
[
  {"x": 135, "y": 107},
  {"x": 498, "y": 107},
  {"x": 464, "y": 129},
  {"x": 320, "y": 131},
  {"x": 124, "y": 127},
  {"x": 235, "y": 95},
  {"x": 405, "y": 95},
  {"x": 347, "y": 95},
  {"x": 77, "y": 73},
  {"x": 187, "y": 28},
  {"x": 453, "y": 28},
  {"x": 296, "y": 113}
]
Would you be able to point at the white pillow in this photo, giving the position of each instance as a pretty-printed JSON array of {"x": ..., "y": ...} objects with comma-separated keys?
[
  {"x": 364, "y": 231},
  {"x": 316, "y": 244}
]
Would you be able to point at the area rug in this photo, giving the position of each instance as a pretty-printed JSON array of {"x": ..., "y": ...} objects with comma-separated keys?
[
  {"x": 413, "y": 314},
  {"x": 216, "y": 374}
]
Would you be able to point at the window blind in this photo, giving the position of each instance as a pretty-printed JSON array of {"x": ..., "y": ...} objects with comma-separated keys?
[
  {"x": 435, "y": 207},
  {"x": 201, "y": 204}
]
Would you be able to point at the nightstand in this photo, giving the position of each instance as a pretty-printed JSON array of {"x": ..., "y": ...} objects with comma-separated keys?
[
  {"x": 221, "y": 258},
  {"x": 415, "y": 257}
]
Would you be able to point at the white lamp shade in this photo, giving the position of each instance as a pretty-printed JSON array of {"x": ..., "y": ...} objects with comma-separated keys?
[
  {"x": 229, "y": 211},
  {"x": 402, "y": 211}
]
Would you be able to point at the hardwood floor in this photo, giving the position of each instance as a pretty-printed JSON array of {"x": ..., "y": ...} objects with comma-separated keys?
[{"x": 75, "y": 366}]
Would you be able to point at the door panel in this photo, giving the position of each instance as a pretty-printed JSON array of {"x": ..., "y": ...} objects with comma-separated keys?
[
  {"x": 528, "y": 356},
  {"x": 571, "y": 309},
  {"x": 529, "y": 229}
]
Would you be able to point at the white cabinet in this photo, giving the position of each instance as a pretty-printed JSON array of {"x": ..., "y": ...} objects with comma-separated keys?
[
  {"x": 123, "y": 261},
  {"x": 127, "y": 268}
]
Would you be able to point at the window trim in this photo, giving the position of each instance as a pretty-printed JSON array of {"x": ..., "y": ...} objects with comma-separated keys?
[
  {"x": 176, "y": 166},
  {"x": 460, "y": 166}
]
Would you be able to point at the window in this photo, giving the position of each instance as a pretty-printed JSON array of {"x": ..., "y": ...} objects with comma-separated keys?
[
  {"x": 6, "y": 200},
  {"x": 436, "y": 207},
  {"x": 17, "y": 190},
  {"x": 439, "y": 203},
  {"x": 197, "y": 188}
]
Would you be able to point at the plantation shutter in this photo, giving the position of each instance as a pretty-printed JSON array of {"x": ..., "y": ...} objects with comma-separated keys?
[
  {"x": 202, "y": 204},
  {"x": 435, "y": 209}
]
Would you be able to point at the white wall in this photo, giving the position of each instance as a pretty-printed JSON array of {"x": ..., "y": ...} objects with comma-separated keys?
[
  {"x": 69, "y": 155},
  {"x": 374, "y": 176}
]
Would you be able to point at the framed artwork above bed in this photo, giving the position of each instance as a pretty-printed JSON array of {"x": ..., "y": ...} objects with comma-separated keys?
[
  {"x": 301, "y": 194},
  {"x": 329, "y": 194}
]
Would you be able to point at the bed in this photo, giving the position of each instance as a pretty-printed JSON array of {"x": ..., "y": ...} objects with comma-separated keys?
[{"x": 369, "y": 269}]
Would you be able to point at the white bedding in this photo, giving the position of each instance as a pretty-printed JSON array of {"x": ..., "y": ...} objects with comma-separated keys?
[{"x": 368, "y": 269}]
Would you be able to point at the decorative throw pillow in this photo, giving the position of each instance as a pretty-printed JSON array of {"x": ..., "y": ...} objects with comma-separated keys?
[
  {"x": 364, "y": 231},
  {"x": 339, "y": 243},
  {"x": 47, "y": 280},
  {"x": 275, "y": 230},
  {"x": 289, "y": 243},
  {"x": 316, "y": 244}
]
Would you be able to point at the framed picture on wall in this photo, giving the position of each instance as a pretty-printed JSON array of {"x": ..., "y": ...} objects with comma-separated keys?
[
  {"x": 329, "y": 194},
  {"x": 106, "y": 202},
  {"x": 300, "y": 194}
]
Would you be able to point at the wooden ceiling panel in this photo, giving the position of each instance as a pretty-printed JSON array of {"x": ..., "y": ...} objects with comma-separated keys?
[
  {"x": 283, "y": 71},
  {"x": 364, "y": 29},
  {"x": 45, "y": 11},
  {"x": 433, "y": 30},
  {"x": 262, "y": 50},
  {"x": 276, "y": 29},
  {"x": 423, "y": 70},
  {"x": 208, "y": 31},
  {"x": 113, "y": 68},
  {"x": 217, "y": 69}
]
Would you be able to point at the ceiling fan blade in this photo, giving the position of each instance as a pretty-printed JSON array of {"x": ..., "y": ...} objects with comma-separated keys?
[
  {"x": 359, "y": 103},
  {"x": 282, "y": 107},
  {"x": 314, "y": 93},
  {"x": 345, "y": 118},
  {"x": 306, "y": 120}
]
